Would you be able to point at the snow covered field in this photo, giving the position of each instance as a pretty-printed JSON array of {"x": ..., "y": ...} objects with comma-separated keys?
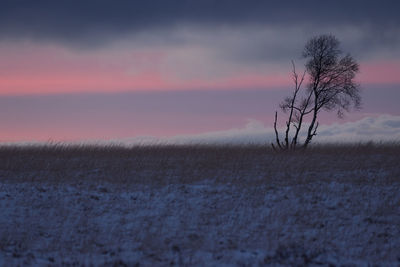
[{"x": 187, "y": 206}]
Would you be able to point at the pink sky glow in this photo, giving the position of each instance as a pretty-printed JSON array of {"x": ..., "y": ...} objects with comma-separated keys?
[
  {"x": 42, "y": 86},
  {"x": 30, "y": 69}
]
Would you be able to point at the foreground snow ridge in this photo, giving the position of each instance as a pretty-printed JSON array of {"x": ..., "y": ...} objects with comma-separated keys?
[{"x": 199, "y": 206}]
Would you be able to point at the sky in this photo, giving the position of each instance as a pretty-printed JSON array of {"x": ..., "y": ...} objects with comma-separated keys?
[{"x": 183, "y": 69}]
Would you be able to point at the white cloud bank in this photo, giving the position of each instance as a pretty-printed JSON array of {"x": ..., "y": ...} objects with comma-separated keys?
[{"x": 378, "y": 128}]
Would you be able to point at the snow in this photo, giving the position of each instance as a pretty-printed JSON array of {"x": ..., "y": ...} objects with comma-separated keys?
[
  {"x": 199, "y": 206},
  {"x": 328, "y": 222}
]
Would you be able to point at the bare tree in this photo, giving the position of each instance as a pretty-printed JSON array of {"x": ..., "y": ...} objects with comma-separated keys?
[{"x": 330, "y": 87}]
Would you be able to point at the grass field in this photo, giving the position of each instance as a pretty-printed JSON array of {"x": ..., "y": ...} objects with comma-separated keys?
[{"x": 199, "y": 205}]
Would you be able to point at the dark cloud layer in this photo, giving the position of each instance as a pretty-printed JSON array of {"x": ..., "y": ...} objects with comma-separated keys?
[{"x": 83, "y": 21}]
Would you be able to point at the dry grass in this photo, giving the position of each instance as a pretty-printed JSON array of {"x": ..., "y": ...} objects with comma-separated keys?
[{"x": 192, "y": 163}]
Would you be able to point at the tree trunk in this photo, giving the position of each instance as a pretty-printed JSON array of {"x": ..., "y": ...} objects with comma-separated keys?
[
  {"x": 276, "y": 133},
  {"x": 311, "y": 131}
]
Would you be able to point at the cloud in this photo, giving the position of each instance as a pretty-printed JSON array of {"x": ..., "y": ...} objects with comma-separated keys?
[
  {"x": 90, "y": 23},
  {"x": 117, "y": 115},
  {"x": 381, "y": 128},
  {"x": 376, "y": 129},
  {"x": 76, "y": 19},
  {"x": 196, "y": 40}
]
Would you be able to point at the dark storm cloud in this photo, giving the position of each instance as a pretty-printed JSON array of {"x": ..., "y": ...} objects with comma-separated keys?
[{"x": 86, "y": 21}]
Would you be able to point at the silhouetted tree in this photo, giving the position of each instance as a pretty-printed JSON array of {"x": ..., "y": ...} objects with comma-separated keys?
[{"x": 330, "y": 87}]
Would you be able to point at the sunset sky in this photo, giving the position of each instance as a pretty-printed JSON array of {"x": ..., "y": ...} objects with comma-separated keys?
[{"x": 182, "y": 69}]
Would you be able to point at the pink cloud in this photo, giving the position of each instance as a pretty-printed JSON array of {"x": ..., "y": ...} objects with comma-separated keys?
[
  {"x": 380, "y": 72},
  {"x": 33, "y": 69}
]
